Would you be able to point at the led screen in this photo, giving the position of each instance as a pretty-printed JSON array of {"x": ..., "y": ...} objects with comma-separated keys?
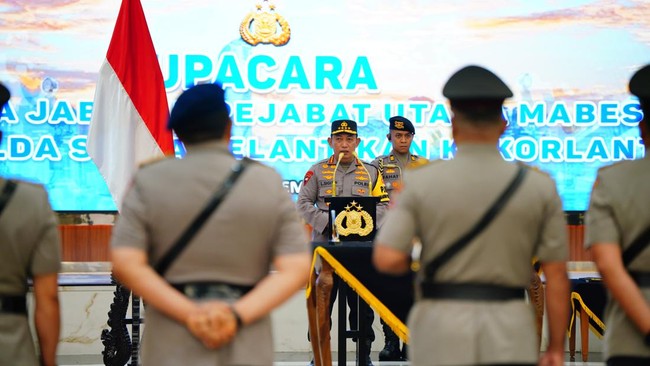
[{"x": 290, "y": 67}]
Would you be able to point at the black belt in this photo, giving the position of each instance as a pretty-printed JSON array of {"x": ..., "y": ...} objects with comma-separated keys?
[
  {"x": 212, "y": 290},
  {"x": 13, "y": 304},
  {"x": 641, "y": 278},
  {"x": 471, "y": 291}
]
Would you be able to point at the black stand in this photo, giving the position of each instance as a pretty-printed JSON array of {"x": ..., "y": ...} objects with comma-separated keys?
[
  {"x": 359, "y": 333},
  {"x": 119, "y": 347}
]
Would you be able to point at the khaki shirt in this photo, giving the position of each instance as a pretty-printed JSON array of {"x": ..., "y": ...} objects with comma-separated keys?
[
  {"x": 393, "y": 169},
  {"x": 619, "y": 210},
  {"x": 256, "y": 222},
  {"x": 359, "y": 179},
  {"x": 30, "y": 245},
  {"x": 440, "y": 203}
]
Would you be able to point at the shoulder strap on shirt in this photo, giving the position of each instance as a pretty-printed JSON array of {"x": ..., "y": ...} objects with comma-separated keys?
[
  {"x": 7, "y": 192},
  {"x": 218, "y": 197},
  {"x": 491, "y": 213},
  {"x": 637, "y": 246}
]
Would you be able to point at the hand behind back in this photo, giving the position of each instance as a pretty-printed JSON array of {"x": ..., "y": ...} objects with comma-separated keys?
[{"x": 214, "y": 324}]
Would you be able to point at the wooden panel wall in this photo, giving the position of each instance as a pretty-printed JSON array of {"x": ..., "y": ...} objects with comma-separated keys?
[
  {"x": 575, "y": 224},
  {"x": 85, "y": 243},
  {"x": 90, "y": 243}
]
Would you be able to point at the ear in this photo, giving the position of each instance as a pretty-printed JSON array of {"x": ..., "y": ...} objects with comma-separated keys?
[
  {"x": 228, "y": 131},
  {"x": 388, "y": 136},
  {"x": 504, "y": 126},
  {"x": 329, "y": 141}
]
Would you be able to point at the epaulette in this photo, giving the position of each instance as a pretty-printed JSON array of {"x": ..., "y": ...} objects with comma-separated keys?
[
  {"x": 417, "y": 162},
  {"x": 154, "y": 160}
]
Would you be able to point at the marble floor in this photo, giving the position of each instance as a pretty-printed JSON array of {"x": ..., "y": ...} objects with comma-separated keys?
[{"x": 302, "y": 359}]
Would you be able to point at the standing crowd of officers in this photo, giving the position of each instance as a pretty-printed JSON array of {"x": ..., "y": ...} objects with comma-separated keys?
[{"x": 479, "y": 220}]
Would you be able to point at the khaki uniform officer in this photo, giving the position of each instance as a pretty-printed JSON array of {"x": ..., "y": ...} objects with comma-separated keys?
[
  {"x": 619, "y": 211},
  {"x": 30, "y": 247},
  {"x": 343, "y": 174},
  {"x": 353, "y": 177},
  {"x": 393, "y": 165},
  {"x": 213, "y": 305},
  {"x": 471, "y": 310}
]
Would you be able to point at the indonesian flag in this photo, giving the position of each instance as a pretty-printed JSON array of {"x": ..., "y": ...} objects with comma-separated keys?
[{"x": 130, "y": 112}]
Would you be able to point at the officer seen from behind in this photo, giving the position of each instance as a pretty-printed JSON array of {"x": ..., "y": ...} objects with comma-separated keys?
[
  {"x": 618, "y": 236},
  {"x": 477, "y": 244}
]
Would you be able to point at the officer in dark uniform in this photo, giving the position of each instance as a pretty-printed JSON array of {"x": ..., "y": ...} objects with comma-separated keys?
[
  {"x": 618, "y": 217},
  {"x": 393, "y": 166},
  {"x": 470, "y": 309}
]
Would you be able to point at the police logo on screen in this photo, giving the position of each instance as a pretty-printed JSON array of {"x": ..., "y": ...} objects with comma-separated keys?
[{"x": 265, "y": 26}]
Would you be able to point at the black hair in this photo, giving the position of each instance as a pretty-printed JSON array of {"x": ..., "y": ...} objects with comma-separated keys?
[{"x": 479, "y": 110}]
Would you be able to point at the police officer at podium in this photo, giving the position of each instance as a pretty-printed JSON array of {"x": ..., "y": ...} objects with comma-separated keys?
[
  {"x": 393, "y": 166},
  {"x": 342, "y": 174},
  {"x": 31, "y": 248},
  {"x": 618, "y": 235},
  {"x": 470, "y": 306}
]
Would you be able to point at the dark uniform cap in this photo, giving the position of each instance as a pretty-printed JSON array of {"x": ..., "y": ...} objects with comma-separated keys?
[
  {"x": 640, "y": 83},
  {"x": 196, "y": 103},
  {"x": 4, "y": 95},
  {"x": 344, "y": 126},
  {"x": 399, "y": 123},
  {"x": 475, "y": 82}
]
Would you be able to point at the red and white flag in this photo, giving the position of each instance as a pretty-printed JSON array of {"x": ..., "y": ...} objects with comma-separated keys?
[{"x": 130, "y": 112}]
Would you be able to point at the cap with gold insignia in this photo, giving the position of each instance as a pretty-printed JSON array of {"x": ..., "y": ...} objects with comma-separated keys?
[
  {"x": 344, "y": 126},
  {"x": 640, "y": 83},
  {"x": 399, "y": 123},
  {"x": 475, "y": 83}
]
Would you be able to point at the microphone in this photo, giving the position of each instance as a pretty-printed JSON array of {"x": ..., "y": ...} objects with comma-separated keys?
[
  {"x": 334, "y": 175},
  {"x": 367, "y": 173}
]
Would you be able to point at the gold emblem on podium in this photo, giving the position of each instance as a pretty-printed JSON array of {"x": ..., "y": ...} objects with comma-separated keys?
[
  {"x": 265, "y": 26},
  {"x": 357, "y": 221}
]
